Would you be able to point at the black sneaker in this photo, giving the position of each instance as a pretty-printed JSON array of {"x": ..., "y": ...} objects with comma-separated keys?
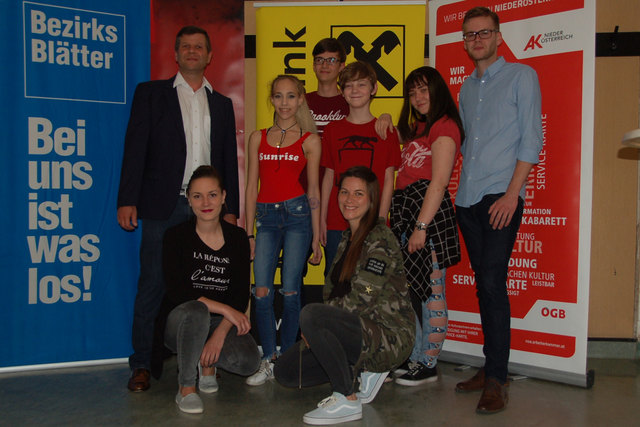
[
  {"x": 404, "y": 368},
  {"x": 418, "y": 374}
]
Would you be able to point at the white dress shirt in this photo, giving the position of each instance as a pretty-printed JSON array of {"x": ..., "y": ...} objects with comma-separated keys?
[{"x": 196, "y": 120}]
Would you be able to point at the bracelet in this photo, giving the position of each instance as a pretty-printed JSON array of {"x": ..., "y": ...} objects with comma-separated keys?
[
  {"x": 421, "y": 226},
  {"x": 251, "y": 236}
]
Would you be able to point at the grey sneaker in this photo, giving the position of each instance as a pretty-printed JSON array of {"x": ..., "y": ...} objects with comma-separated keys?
[
  {"x": 207, "y": 383},
  {"x": 265, "y": 372},
  {"x": 334, "y": 409},
  {"x": 370, "y": 383},
  {"x": 191, "y": 403}
]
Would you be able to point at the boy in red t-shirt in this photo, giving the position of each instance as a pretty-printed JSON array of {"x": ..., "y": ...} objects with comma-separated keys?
[{"x": 353, "y": 141}]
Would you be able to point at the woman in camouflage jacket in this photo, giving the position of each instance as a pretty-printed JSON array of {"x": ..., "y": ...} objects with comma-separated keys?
[{"x": 366, "y": 326}]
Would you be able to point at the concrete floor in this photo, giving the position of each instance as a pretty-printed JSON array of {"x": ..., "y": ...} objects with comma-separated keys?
[{"x": 98, "y": 396}]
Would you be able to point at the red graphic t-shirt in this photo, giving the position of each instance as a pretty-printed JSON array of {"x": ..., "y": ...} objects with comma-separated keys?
[
  {"x": 345, "y": 144},
  {"x": 416, "y": 154},
  {"x": 326, "y": 109}
]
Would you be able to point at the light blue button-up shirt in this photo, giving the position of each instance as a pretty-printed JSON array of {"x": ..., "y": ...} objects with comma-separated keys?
[{"x": 501, "y": 114}]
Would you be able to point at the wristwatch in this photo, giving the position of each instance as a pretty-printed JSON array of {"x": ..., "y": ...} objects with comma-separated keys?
[{"x": 421, "y": 226}]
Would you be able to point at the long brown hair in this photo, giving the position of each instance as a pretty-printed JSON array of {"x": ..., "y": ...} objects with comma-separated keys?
[{"x": 367, "y": 222}]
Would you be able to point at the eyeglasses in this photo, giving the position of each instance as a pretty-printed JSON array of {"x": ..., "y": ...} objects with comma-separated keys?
[
  {"x": 483, "y": 34},
  {"x": 319, "y": 60}
]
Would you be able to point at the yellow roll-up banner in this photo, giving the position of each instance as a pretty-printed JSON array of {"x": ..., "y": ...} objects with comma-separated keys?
[{"x": 387, "y": 35}]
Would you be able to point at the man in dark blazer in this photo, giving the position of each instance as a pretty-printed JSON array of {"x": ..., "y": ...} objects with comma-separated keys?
[{"x": 170, "y": 133}]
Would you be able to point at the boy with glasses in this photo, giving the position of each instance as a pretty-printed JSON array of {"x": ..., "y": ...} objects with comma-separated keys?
[{"x": 327, "y": 103}]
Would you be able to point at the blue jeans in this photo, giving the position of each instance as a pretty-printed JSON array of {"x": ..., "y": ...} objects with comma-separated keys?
[
  {"x": 489, "y": 252},
  {"x": 189, "y": 325},
  {"x": 151, "y": 283},
  {"x": 285, "y": 225},
  {"x": 330, "y": 249},
  {"x": 425, "y": 342}
]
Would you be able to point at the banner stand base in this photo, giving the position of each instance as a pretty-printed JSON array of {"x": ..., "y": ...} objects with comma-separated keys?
[
  {"x": 46, "y": 366},
  {"x": 585, "y": 380}
]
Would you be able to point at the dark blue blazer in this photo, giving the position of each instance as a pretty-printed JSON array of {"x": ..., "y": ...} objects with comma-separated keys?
[{"x": 155, "y": 150}]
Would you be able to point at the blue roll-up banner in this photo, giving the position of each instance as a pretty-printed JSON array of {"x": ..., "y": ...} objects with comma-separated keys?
[{"x": 68, "y": 271}]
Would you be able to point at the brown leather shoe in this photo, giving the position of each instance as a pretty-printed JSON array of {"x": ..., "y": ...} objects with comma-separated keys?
[
  {"x": 494, "y": 397},
  {"x": 475, "y": 383},
  {"x": 139, "y": 380}
]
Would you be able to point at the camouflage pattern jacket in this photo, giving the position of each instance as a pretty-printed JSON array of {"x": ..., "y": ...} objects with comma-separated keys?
[{"x": 379, "y": 296}]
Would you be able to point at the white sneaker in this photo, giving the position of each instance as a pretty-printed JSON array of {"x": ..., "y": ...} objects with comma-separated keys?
[
  {"x": 207, "y": 383},
  {"x": 191, "y": 403},
  {"x": 334, "y": 409},
  {"x": 265, "y": 372},
  {"x": 370, "y": 383}
]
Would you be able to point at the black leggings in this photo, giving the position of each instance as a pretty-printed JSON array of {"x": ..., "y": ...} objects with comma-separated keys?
[{"x": 335, "y": 340}]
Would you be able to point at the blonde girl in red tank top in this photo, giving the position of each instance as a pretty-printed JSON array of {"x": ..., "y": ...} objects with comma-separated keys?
[{"x": 285, "y": 217}]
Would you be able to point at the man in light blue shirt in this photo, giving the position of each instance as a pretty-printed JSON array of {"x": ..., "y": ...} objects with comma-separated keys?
[{"x": 500, "y": 108}]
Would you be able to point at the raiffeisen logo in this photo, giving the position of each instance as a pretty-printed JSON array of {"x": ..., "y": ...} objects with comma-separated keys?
[
  {"x": 382, "y": 46},
  {"x": 537, "y": 41},
  {"x": 73, "y": 54}
]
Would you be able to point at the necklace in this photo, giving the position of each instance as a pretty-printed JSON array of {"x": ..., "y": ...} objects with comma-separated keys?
[{"x": 283, "y": 132}]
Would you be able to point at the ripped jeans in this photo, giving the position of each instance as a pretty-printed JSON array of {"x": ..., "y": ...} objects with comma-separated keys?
[
  {"x": 431, "y": 334},
  {"x": 284, "y": 225}
]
